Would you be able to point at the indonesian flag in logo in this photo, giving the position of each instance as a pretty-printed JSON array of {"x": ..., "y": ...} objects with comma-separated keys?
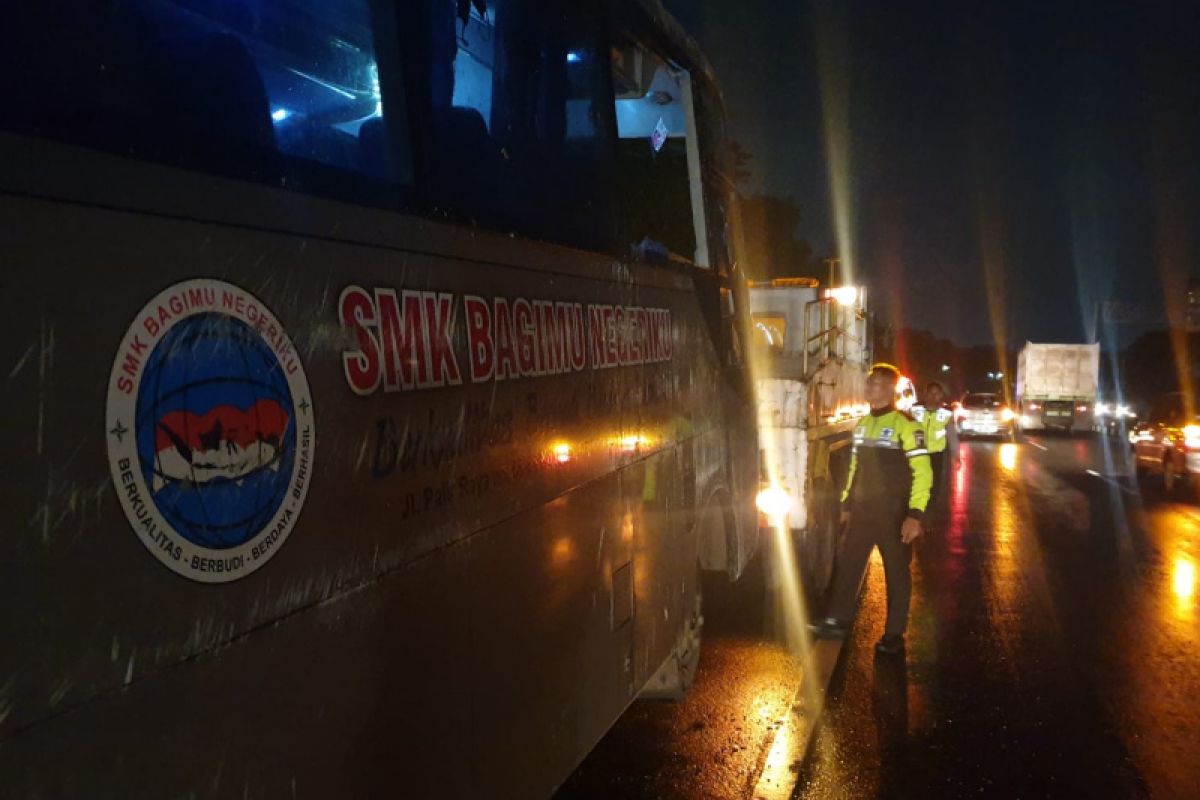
[{"x": 224, "y": 442}]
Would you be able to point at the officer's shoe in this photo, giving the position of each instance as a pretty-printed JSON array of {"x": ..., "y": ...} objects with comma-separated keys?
[
  {"x": 890, "y": 644},
  {"x": 828, "y": 628}
]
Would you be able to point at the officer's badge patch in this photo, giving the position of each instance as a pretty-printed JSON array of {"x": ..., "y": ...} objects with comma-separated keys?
[{"x": 886, "y": 434}]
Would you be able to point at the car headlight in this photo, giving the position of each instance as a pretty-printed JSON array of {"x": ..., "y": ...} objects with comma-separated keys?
[
  {"x": 774, "y": 502},
  {"x": 1191, "y": 436},
  {"x": 1008, "y": 415},
  {"x": 1102, "y": 409}
]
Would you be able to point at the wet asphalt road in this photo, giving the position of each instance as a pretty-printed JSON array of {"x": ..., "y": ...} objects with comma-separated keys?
[
  {"x": 1054, "y": 651},
  {"x": 1054, "y": 645}
]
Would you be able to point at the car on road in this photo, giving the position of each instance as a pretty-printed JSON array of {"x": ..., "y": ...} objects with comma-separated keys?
[
  {"x": 1166, "y": 446},
  {"x": 1115, "y": 418},
  {"x": 984, "y": 414}
]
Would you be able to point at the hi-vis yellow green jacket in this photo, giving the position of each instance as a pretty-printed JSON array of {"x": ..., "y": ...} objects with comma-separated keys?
[
  {"x": 938, "y": 423},
  {"x": 889, "y": 465}
]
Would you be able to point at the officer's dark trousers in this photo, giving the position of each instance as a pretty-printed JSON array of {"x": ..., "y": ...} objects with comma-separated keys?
[
  {"x": 872, "y": 526},
  {"x": 937, "y": 462}
]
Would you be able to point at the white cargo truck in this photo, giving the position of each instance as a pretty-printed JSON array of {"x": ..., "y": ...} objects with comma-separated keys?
[
  {"x": 1056, "y": 387},
  {"x": 811, "y": 356}
]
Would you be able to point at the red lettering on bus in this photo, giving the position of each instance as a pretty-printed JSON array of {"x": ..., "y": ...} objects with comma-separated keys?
[
  {"x": 596, "y": 336},
  {"x": 578, "y": 337},
  {"x": 562, "y": 337},
  {"x": 525, "y": 338},
  {"x": 439, "y": 322},
  {"x": 637, "y": 328},
  {"x": 131, "y": 365},
  {"x": 621, "y": 322},
  {"x": 362, "y": 367},
  {"x": 197, "y": 296},
  {"x": 665, "y": 342},
  {"x": 401, "y": 332},
  {"x": 612, "y": 354},
  {"x": 550, "y": 338},
  {"x": 506, "y": 357},
  {"x": 480, "y": 345}
]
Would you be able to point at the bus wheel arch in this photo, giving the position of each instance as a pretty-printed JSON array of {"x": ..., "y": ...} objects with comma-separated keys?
[{"x": 716, "y": 533}]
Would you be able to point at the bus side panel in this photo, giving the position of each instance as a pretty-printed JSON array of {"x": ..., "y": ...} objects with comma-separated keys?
[
  {"x": 342, "y": 700},
  {"x": 448, "y": 572}
]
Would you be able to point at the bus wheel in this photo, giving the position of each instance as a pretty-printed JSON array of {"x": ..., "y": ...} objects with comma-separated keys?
[{"x": 818, "y": 544}]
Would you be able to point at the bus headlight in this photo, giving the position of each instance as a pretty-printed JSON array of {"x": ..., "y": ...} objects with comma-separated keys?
[{"x": 774, "y": 502}]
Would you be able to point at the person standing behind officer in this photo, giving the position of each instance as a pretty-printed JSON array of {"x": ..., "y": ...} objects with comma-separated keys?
[
  {"x": 941, "y": 436},
  {"x": 882, "y": 506}
]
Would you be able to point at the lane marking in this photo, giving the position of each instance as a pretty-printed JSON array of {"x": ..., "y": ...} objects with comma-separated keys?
[
  {"x": 1037, "y": 444},
  {"x": 1111, "y": 482}
]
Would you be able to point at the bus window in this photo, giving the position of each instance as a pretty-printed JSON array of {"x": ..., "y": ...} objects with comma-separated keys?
[
  {"x": 658, "y": 158},
  {"x": 282, "y": 91},
  {"x": 518, "y": 128},
  {"x": 718, "y": 187}
]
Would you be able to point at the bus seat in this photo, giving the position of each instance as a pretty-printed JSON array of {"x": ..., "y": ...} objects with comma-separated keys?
[
  {"x": 372, "y": 147},
  {"x": 467, "y": 162},
  {"x": 216, "y": 105}
]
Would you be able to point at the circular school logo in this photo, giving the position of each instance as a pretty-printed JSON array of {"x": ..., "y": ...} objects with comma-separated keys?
[{"x": 210, "y": 430}]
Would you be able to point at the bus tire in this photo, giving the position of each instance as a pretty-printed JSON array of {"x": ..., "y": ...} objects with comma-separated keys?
[{"x": 818, "y": 544}]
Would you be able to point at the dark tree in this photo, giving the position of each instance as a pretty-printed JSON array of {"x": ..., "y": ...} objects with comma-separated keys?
[{"x": 773, "y": 249}]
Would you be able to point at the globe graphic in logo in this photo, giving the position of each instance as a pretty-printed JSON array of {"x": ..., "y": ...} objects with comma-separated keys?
[{"x": 215, "y": 427}]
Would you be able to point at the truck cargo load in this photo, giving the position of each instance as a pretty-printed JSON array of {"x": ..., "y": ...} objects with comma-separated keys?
[{"x": 1056, "y": 386}]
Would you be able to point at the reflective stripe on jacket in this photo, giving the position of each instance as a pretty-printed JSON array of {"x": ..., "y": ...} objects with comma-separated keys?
[{"x": 889, "y": 464}]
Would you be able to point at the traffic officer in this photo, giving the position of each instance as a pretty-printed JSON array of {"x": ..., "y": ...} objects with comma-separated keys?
[
  {"x": 941, "y": 436},
  {"x": 882, "y": 506}
]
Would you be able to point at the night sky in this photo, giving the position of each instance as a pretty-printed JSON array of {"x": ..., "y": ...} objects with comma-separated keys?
[{"x": 1049, "y": 151}]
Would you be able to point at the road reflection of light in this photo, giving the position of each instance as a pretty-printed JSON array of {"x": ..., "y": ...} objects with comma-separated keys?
[
  {"x": 1183, "y": 582},
  {"x": 776, "y": 771},
  {"x": 958, "y": 502},
  {"x": 1008, "y": 456},
  {"x": 1004, "y": 567}
]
